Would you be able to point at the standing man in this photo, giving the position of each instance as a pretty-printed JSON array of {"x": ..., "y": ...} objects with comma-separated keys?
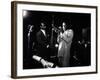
[
  {"x": 42, "y": 55},
  {"x": 64, "y": 40},
  {"x": 42, "y": 43}
]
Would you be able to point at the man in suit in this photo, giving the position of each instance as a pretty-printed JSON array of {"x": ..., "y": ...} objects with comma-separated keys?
[
  {"x": 42, "y": 43},
  {"x": 42, "y": 55}
]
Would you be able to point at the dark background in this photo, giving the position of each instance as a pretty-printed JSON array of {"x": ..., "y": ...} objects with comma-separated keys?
[{"x": 79, "y": 22}]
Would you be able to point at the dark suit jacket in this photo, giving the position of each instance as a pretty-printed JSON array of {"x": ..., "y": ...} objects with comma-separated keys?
[{"x": 41, "y": 44}]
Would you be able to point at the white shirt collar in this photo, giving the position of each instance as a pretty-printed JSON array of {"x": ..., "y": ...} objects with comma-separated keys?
[{"x": 43, "y": 32}]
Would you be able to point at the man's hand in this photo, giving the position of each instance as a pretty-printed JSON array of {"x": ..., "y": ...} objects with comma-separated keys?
[
  {"x": 44, "y": 63},
  {"x": 47, "y": 46},
  {"x": 50, "y": 64}
]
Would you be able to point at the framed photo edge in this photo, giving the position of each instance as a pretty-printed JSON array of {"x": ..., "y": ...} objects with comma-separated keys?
[{"x": 14, "y": 38}]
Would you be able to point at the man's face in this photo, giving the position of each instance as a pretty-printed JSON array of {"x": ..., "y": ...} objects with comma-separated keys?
[
  {"x": 31, "y": 28},
  {"x": 64, "y": 25},
  {"x": 43, "y": 26}
]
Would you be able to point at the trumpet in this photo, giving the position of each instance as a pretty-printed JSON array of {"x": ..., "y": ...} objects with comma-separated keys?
[{"x": 57, "y": 30}]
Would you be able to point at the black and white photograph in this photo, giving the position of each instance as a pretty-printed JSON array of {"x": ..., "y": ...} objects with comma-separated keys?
[{"x": 53, "y": 39}]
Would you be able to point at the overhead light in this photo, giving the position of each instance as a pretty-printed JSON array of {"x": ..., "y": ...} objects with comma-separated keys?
[{"x": 25, "y": 13}]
